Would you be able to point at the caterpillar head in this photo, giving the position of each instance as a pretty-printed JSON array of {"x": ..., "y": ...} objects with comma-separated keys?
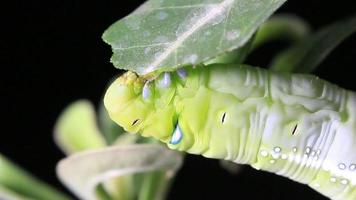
[
  {"x": 144, "y": 106},
  {"x": 175, "y": 108}
]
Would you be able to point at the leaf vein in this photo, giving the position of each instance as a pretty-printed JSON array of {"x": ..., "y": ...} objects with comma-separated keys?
[
  {"x": 141, "y": 46},
  {"x": 185, "y": 6},
  {"x": 220, "y": 8}
]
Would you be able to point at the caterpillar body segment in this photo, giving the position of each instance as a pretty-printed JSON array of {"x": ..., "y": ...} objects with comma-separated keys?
[{"x": 294, "y": 125}]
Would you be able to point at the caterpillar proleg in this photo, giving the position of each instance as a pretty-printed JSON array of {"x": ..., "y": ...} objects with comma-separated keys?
[{"x": 294, "y": 125}]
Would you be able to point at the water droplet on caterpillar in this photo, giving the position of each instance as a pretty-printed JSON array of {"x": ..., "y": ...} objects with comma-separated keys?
[
  {"x": 146, "y": 91},
  {"x": 165, "y": 81},
  {"x": 342, "y": 166},
  {"x": 177, "y": 135},
  {"x": 182, "y": 73}
]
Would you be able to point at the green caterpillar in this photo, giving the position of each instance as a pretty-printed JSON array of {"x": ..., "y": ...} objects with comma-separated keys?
[{"x": 294, "y": 125}]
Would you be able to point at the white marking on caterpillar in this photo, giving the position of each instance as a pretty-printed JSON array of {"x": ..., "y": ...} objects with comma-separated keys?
[
  {"x": 342, "y": 166},
  {"x": 272, "y": 161},
  {"x": 307, "y": 150},
  {"x": 313, "y": 153},
  {"x": 294, "y": 149},
  {"x": 352, "y": 167},
  {"x": 333, "y": 179},
  {"x": 344, "y": 181},
  {"x": 284, "y": 156},
  {"x": 264, "y": 153},
  {"x": 277, "y": 149}
]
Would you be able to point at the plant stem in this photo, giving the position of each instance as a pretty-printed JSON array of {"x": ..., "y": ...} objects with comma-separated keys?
[
  {"x": 153, "y": 182},
  {"x": 24, "y": 184}
]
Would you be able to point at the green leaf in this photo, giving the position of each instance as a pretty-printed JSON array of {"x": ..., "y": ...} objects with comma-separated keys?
[
  {"x": 9, "y": 195},
  {"x": 17, "y": 183},
  {"x": 83, "y": 172},
  {"x": 162, "y": 35},
  {"x": 306, "y": 55},
  {"x": 77, "y": 130},
  {"x": 236, "y": 56},
  {"x": 282, "y": 27}
]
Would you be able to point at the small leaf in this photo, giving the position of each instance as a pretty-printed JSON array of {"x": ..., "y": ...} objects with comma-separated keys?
[
  {"x": 282, "y": 27},
  {"x": 77, "y": 130},
  {"x": 162, "y": 35},
  {"x": 306, "y": 55},
  {"x": 19, "y": 183},
  {"x": 82, "y": 172},
  {"x": 6, "y": 194}
]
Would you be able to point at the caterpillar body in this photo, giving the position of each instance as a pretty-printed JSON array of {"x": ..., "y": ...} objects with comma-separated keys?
[{"x": 294, "y": 125}]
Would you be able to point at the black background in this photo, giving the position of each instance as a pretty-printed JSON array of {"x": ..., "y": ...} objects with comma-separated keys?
[{"x": 52, "y": 54}]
